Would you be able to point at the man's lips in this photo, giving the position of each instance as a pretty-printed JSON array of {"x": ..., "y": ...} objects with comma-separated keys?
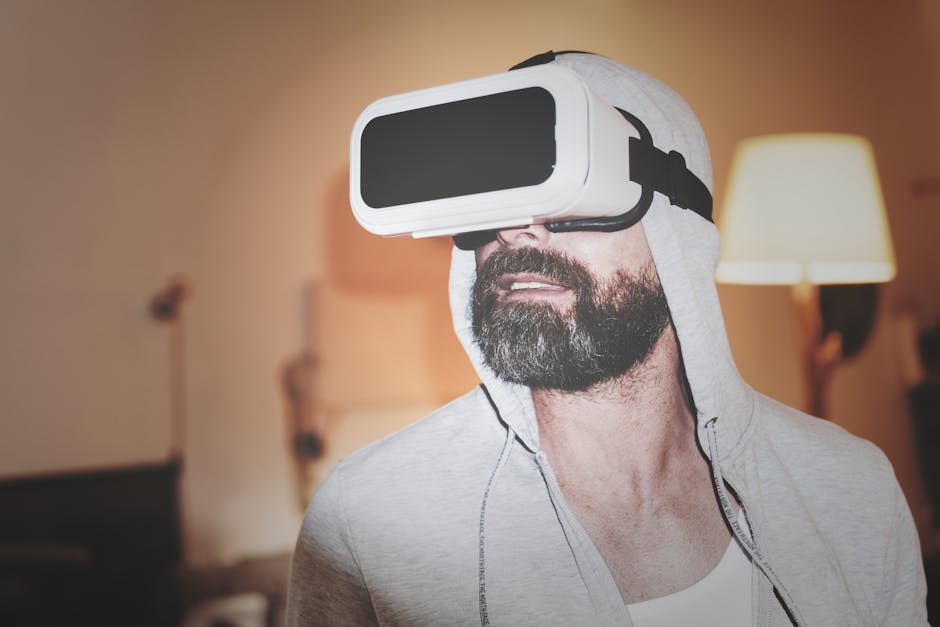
[{"x": 526, "y": 284}]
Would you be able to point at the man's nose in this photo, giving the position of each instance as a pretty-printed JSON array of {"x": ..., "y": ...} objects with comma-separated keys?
[{"x": 531, "y": 235}]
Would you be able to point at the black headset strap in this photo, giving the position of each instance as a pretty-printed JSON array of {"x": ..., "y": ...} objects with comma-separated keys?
[
  {"x": 667, "y": 174},
  {"x": 543, "y": 58}
]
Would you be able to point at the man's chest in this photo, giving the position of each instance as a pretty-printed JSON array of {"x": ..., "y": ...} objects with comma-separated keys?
[{"x": 653, "y": 552}]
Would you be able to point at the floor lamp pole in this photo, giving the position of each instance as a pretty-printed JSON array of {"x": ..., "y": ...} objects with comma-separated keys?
[{"x": 820, "y": 353}]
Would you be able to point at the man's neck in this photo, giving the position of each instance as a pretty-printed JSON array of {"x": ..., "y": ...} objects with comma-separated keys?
[
  {"x": 638, "y": 427},
  {"x": 627, "y": 461}
]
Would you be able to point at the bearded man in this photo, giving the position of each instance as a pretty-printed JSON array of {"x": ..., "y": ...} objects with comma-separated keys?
[{"x": 613, "y": 468}]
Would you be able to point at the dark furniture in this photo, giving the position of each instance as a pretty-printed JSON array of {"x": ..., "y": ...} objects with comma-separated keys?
[{"x": 96, "y": 547}]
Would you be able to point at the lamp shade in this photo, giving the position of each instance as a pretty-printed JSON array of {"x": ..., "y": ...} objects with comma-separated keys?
[{"x": 804, "y": 208}]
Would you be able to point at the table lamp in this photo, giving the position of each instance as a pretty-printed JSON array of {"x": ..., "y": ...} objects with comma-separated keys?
[{"x": 806, "y": 210}]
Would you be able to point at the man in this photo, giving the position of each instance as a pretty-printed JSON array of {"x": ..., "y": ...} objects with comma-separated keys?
[{"x": 613, "y": 468}]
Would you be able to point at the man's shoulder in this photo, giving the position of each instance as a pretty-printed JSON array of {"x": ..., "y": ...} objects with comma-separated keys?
[
  {"x": 834, "y": 521},
  {"x": 427, "y": 475},
  {"x": 796, "y": 431},
  {"x": 819, "y": 453},
  {"x": 449, "y": 442}
]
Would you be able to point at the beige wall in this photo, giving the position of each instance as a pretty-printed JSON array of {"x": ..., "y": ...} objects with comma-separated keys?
[{"x": 139, "y": 140}]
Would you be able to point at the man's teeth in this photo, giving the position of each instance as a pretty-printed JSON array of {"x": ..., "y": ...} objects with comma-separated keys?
[{"x": 533, "y": 285}]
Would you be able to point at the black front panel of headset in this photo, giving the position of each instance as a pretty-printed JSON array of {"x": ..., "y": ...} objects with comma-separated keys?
[{"x": 483, "y": 144}]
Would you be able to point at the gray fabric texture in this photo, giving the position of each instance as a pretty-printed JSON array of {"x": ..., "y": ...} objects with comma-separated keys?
[{"x": 458, "y": 519}]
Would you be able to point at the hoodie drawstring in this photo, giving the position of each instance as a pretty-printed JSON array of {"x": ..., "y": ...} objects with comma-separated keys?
[
  {"x": 749, "y": 546},
  {"x": 500, "y": 462}
]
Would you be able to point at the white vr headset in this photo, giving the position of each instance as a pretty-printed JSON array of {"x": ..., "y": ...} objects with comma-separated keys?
[{"x": 532, "y": 145}]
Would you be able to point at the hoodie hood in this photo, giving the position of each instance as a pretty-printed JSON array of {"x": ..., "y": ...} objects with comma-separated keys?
[{"x": 685, "y": 251}]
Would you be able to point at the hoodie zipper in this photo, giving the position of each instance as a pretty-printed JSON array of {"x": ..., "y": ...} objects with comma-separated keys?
[{"x": 748, "y": 544}]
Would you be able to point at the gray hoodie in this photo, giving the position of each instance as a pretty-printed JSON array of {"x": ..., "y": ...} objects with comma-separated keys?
[{"x": 458, "y": 519}]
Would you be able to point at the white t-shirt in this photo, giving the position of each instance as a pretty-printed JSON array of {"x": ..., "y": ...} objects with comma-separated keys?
[{"x": 722, "y": 597}]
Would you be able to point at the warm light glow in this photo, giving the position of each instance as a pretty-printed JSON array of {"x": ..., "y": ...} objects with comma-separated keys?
[{"x": 804, "y": 207}]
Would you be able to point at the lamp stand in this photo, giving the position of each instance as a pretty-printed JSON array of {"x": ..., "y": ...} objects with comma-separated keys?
[{"x": 821, "y": 353}]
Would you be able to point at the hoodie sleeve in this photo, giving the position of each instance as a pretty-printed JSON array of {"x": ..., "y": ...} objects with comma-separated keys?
[
  {"x": 326, "y": 586},
  {"x": 904, "y": 586}
]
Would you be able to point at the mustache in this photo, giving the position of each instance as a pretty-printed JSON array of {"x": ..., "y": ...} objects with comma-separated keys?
[{"x": 547, "y": 263}]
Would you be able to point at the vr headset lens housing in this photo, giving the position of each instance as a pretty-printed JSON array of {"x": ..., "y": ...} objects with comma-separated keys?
[
  {"x": 483, "y": 144},
  {"x": 532, "y": 145}
]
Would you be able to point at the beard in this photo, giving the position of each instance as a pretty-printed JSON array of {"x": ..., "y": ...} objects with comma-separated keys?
[{"x": 608, "y": 331}]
